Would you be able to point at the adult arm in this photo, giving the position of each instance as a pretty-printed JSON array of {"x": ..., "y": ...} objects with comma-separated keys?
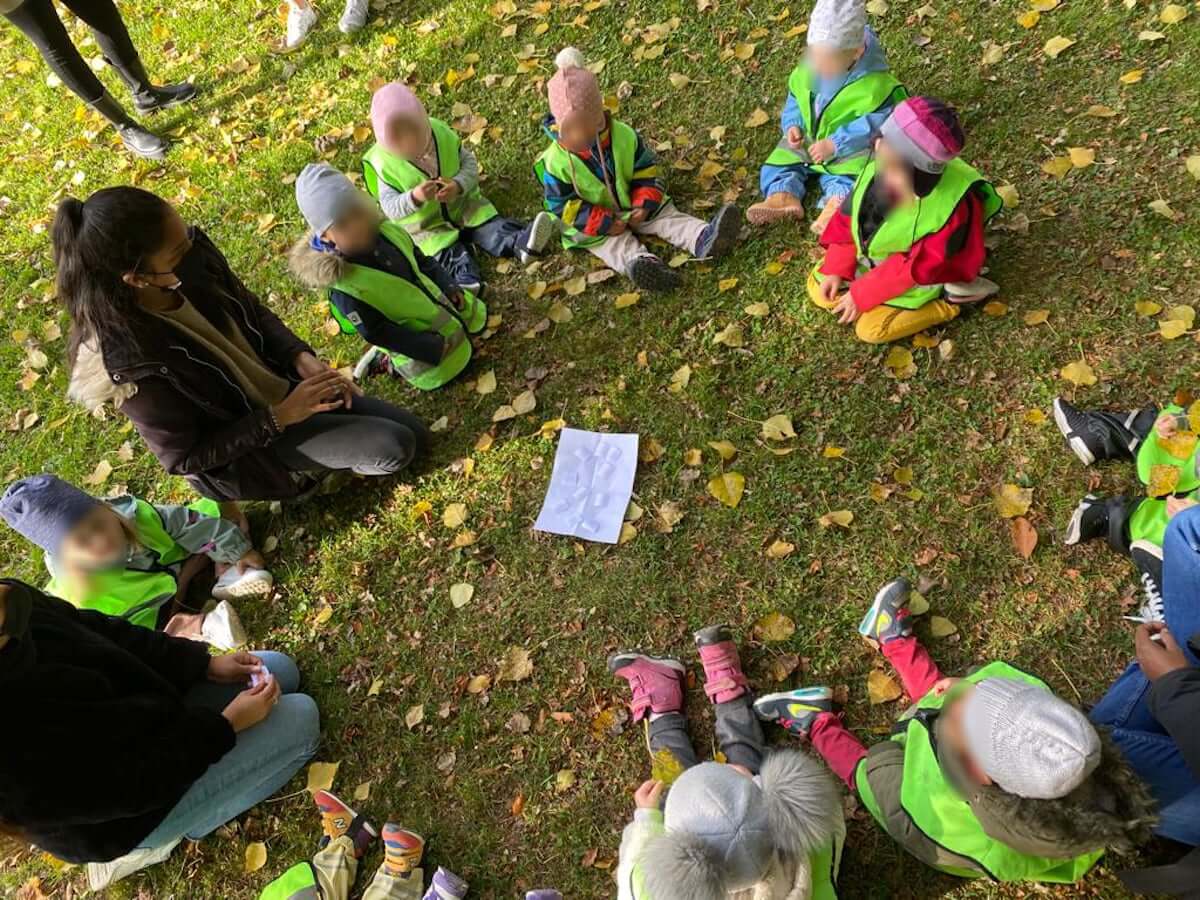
[
  {"x": 647, "y": 188},
  {"x": 375, "y": 328},
  {"x": 219, "y": 539},
  {"x": 1175, "y": 703},
  {"x": 468, "y": 170}
]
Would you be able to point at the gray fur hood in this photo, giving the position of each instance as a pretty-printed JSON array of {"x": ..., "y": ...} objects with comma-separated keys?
[{"x": 312, "y": 267}]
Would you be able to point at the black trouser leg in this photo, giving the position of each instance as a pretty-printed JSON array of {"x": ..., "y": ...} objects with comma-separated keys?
[
  {"x": 112, "y": 37},
  {"x": 1120, "y": 434},
  {"x": 1119, "y": 510},
  {"x": 739, "y": 733},
  {"x": 39, "y": 22}
]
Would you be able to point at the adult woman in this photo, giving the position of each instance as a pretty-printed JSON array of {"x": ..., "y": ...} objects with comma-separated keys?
[
  {"x": 221, "y": 390},
  {"x": 124, "y": 740},
  {"x": 41, "y": 24}
]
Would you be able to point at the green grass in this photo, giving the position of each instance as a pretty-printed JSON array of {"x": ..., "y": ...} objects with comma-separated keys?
[{"x": 1092, "y": 248}]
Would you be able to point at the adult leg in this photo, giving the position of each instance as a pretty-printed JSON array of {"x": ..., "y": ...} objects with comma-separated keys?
[
  {"x": 835, "y": 744},
  {"x": 1158, "y": 762},
  {"x": 371, "y": 438},
  {"x": 912, "y": 662},
  {"x": 458, "y": 261},
  {"x": 1181, "y": 579},
  {"x": 884, "y": 323},
  {"x": 1126, "y": 705}
]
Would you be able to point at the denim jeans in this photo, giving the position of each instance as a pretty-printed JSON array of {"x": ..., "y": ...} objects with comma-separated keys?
[
  {"x": 1126, "y": 707},
  {"x": 262, "y": 761},
  {"x": 793, "y": 179},
  {"x": 499, "y": 236}
]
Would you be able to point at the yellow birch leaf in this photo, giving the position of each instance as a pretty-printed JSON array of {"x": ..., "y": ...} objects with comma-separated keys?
[
  {"x": 1147, "y": 308},
  {"x": 726, "y": 284},
  {"x": 995, "y": 308},
  {"x": 1057, "y": 167},
  {"x": 320, "y": 776},
  {"x": 1133, "y": 76},
  {"x": 575, "y": 286},
  {"x": 461, "y": 594},
  {"x": 692, "y": 456},
  {"x": 757, "y": 310},
  {"x": 1163, "y": 480},
  {"x": 1010, "y": 195},
  {"x": 728, "y": 487},
  {"x": 780, "y": 549},
  {"x": 99, "y": 474},
  {"x": 503, "y": 413},
  {"x": 758, "y": 118},
  {"x": 1181, "y": 444},
  {"x": 731, "y": 335},
  {"x": 1037, "y": 317},
  {"x": 651, "y": 450},
  {"x": 1172, "y": 14},
  {"x": 1035, "y": 417},
  {"x": 1078, "y": 373},
  {"x": 486, "y": 383},
  {"x": 831, "y": 452},
  {"x": 1081, "y": 157},
  {"x": 1043, "y": 5},
  {"x": 454, "y": 515},
  {"x": 1170, "y": 329},
  {"x": 464, "y": 538},
  {"x": 524, "y": 402},
  {"x": 839, "y": 517},
  {"x": 1056, "y": 45},
  {"x": 363, "y": 791},
  {"x": 903, "y": 475},
  {"x": 678, "y": 81},
  {"x": 1182, "y": 313},
  {"x": 725, "y": 449},
  {"x": 1192, "y": 164},
  {"x": 925, "y": 341},
  {"x": 628, "y": 533},
  {"x": 1100, "y": 111},
  {"x": 559, "y": 312},
  {"x": 1029, "y": 18},
  {"x": 899, "y": 363},
  {"x": 778, "y": 428},
  {"x": 882, "y": 688},
  {"x": 484, "y": 442},
  {"x": 1163, "y": 208},
  {"x": 478, "y": 684},
  {"x": 624, "y": 300},
  {"x": 1011, "y": 500},
  {"x": 665, "y": 767},
  {"x": 256, "y": 857},
  {"x": 774, "y": 627},
  {"x": 917, "y": 603},
  {"x": 940, "y": 627}
]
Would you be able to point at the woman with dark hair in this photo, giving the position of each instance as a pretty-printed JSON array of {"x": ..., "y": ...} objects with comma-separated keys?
[
  {"x": 40, "y": 23},
  {"x": 220, "y": 389},
  {"x": 131, "y": 740}
]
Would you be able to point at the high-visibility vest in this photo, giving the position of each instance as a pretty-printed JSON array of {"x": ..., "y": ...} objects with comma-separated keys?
[
  {"x": 297, "y": 883},
  {"x": 1151, "y": 454},
  {"x": 943, "y": 816},
  {"x": 416, "y": 305},
  {"x": 853, "y": 100},
  {"x": 434, "y": 226}
]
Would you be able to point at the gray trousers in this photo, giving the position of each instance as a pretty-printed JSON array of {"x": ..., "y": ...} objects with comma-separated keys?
[{"x": 739, "y": 735}]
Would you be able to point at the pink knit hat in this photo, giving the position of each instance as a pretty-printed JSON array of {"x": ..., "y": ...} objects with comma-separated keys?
[
  {"x": 925, "y": 131},
  {"x": 574, "y": 91},
  {"x": 393, "y": 101}
]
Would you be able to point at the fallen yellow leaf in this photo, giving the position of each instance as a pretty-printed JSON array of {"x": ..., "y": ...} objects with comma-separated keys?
[{"x": 728, "y": 488}]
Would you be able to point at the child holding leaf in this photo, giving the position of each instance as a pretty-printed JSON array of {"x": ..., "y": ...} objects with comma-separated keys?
[
  {"x": 1163, "y": 446},
  {"x": 602, "y": 181},
  {"x": 755, "y": 825},
  {"x": 987, "y": 776}
]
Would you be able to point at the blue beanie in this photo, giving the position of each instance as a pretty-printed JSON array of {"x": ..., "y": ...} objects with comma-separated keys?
[{"x": 44, "y": 508}]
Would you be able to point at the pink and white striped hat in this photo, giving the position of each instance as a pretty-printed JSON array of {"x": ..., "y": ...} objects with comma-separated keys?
[{"x": 926, "y": 132}]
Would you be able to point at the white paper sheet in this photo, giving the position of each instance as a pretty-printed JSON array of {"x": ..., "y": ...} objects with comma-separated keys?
[{"x": 590, "y": 486}]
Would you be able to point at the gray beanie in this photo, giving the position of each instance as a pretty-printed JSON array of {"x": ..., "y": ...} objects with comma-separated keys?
[
  {"x": 1028, "y": 741},
  {"x": 325, "y": 195},
  {"x": 841, "y": 24},
  {"x": 44, "y": 508}
]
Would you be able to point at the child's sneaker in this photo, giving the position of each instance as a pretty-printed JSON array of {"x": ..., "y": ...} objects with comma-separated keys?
[
  {"x": 542, "y": 230},
  {"x": 795, "y": 710},
  {"x": 222, "y": 628},
  {"x": 1088, "y": 522},
  {"x": 338, "y": 820},
  {"x": 1075, "y": 427},
  {"x": 652, "y": 274},
  {"x": 888, "y": 619},
  {"x": 973, "y": 291},
  {"x": 777, "y": 207},
  {"x": 251, "y": 583},
  {"x": 1148, "y": 558},
  {"x": 374, "y": 362},
  {"x": 723, "y": 676},
  {"x": 656, "y": 682},
  {"x": 544, "y": 894},
  {"x": 720, "y": 234},
  {"x": 446, "y": 886},
  {"x": 402, "y": 849},
  {"x": 354, "y": 16},
  {"x": 300, "y": 21}
]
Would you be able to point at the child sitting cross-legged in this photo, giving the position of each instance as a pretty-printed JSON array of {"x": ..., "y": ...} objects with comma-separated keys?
[
  {"x": 603, "y": 182},
  {"x": 381, "y": 285},
  {"x": 907, "y": 246},
  {"x": 838, "y": 97},
  {"x": 760, "y": 826},
  {"x": 151, "y": 564},
  {"x": 989, "y": 775}
]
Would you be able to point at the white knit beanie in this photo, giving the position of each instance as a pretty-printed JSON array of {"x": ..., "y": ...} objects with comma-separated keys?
[
  {"x": 841, "y": 24},
  {"x": 1028, "y": 741}
]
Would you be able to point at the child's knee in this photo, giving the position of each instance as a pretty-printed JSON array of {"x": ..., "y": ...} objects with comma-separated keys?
[{"x": 874, "y": 330}]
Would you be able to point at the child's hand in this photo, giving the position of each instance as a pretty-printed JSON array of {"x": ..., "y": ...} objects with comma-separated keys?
[
  {"x": 830, "y": 288},
  {"x": 1176, "y": 505},
  {"x": 449, "y": 190},
  {"x": 1166, "y": 426},
  {"x": 822, "y": 150},
  {"x": 940, "y": 687},
  {"x": 638, "y": 216},
  {"x": 847, "y": 310},
  {"x": 795, "y": 137},
  {"x": 649, "y": 795},
  {"x": 618, "y": 226},
  {"x": 252, "y": 560},
  {"x": 425, "y": 191}
]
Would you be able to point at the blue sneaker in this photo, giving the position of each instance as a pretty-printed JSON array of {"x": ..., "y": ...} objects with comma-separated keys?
[
  {"x": 720, "y": 233},
  {"x": 887, "y": 619},
  {"x": 795, "y": 710}
]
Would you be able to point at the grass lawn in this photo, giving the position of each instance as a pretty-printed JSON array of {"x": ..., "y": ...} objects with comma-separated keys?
[{"x": 523, "y": 784}]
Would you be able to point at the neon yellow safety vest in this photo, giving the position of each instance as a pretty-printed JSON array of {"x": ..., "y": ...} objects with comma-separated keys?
[
  {"x": 434, "y": 226},
  {"x": 567, "y": 167},
  {"x": 417, "y": 306},
  {"x": 905, "y": 225},
  {"x": 297, "y": 883},
  {"x": 944, "y": 817},
  {"x": 133, "y": 594},
  {"x": 853, "y": 100},
  {"x": 1151, "y": 454}
]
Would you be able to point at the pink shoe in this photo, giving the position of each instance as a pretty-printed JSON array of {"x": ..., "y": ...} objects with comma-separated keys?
[
  {"x": 656, "y": 682},
  {"x": 723, "y": 676}
]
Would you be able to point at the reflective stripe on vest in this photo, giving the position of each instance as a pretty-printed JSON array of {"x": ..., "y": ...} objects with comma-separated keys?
[
  {"x": 297, "y": 883},
  {"x": 569, "y": 168},
  {"x": 905, "y": 225},
  {"x": 434, "y": 226},
  {"x": 853, "y": 100},
  {"x": 132, "y": 594},
  {"x": 1151, "y": 454},
  {"x": 415, "y": 306},
  {"x": 941, "y": 814}
]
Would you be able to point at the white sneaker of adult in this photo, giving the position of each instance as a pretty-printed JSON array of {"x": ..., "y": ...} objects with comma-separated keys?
[
  {"x": 101, "y": 875},
  {"x": 300, "y": 22}
]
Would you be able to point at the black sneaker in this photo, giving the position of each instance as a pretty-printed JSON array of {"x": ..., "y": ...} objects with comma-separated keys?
[
  {"x": 1148, "y": 558},
  {"x": 652, "y": 274},
  {"x": 1089, "y": 521},
  {"x": 1074, "y": 425},
  {"x": 720, "y": 234}
]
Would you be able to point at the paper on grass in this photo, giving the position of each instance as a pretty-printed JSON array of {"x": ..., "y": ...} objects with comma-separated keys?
[{"x": 590, "y": 485}]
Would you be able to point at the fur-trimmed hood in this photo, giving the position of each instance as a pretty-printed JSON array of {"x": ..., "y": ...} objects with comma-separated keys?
[
  {"x": 317, "y": 269},
  {"x": 91, "y": 386}
]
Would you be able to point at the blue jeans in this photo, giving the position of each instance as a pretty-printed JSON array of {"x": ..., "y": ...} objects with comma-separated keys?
[
  {"x": 1144, "y": 743},
  {"x": 262, "y": 761},
  {"x": 793, "y": 180},
  {"x": 498, "y": 236}
]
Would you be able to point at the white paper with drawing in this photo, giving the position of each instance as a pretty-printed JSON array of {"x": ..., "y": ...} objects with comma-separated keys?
[{"x": 590, "y": 485}]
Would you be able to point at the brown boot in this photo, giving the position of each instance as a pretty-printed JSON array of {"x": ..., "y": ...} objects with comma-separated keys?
[
  {"x": 776, "y": 208},
  {"x": 830, "y": 210}
]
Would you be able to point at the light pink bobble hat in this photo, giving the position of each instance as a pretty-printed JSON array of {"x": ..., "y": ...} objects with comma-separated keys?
[{"x": 573, "y": 90}]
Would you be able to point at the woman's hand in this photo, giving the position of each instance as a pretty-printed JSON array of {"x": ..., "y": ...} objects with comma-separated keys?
[
  {"x": 649, "y": 795},
  {"x": 252, "y": 705},
  {"x": 307, "y": 366},
  {"x": 1157, "y": 658},
  {"x": 830, "y": 288},
  {"x": 847, "y": 309},
  {"x": 318, "y": 394},
  {"x": 234, "y": 668}
]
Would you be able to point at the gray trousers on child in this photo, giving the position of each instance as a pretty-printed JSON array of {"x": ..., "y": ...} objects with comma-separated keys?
[{"x": 739, "y": 735}]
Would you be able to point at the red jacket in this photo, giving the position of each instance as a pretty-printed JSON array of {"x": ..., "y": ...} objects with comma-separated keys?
[{"x": 953, "y": 253}]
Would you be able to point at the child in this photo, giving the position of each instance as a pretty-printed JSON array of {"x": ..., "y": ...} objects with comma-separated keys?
[
  {"x": 908, "y": 240},
  {"x": 838, "y": 97},
  {"x": 748, "y": 828},
  {"x": 347, "y": 838},
  {"x": 1161, "y": 443},
  {"x": 301, "y": 18},
  {"x": 428, "y": 181},
  {"x": 381, "y": 284},
  {"x": 141, "y": 562},
  {"x": 988, "y": 775},
  {"x": 602, "y": 182}
]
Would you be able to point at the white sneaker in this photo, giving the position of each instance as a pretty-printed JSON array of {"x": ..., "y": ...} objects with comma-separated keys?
[
  {"x": 300, "y": 22},
  {"x": 222, "y": 628},
  {"x": 251, "y": 583},
  {"x": 971, "y": 291},
  {"x": 366, "y": 363},
  {"x": 354, "y": 16},
  {"x": 541, "y": 232},
  {"x": 101, "y": 875}
]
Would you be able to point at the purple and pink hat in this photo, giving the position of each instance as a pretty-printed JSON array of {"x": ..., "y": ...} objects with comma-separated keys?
[{"x": 926, "y": 132}]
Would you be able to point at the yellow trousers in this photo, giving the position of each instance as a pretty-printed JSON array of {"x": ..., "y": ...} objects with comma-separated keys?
[{"x": 884, "y": 323}]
